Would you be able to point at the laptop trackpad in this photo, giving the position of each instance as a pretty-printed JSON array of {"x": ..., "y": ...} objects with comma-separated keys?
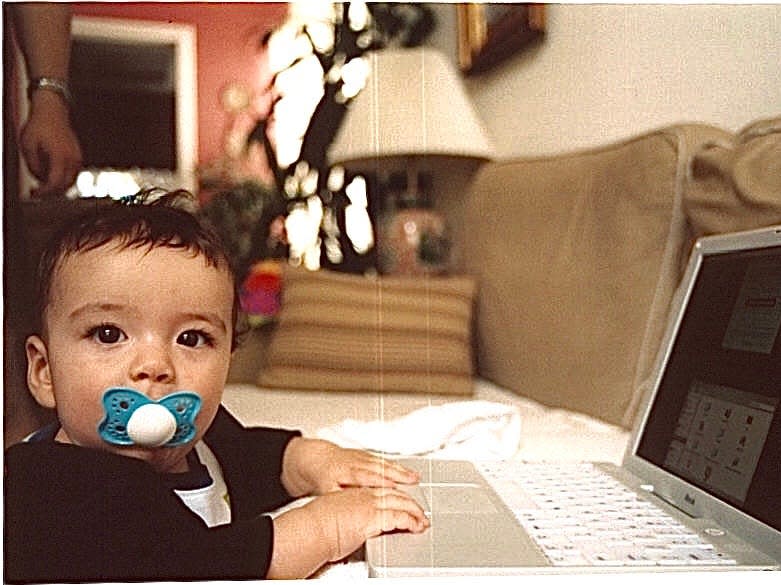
[{"x": 452, "y": 498}]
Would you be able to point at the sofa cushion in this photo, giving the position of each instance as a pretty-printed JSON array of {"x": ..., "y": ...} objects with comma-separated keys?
[
  {"x": 350, "y": 332},
  {"x": 577, "y": 257},
  {"x": 735, "y": 182}
]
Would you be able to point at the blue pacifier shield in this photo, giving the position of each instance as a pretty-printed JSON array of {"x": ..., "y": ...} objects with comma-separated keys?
[{"x": 134, "y": 419}]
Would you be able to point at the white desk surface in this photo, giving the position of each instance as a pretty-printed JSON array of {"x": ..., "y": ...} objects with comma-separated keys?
[{"x": 546, "y": 434}]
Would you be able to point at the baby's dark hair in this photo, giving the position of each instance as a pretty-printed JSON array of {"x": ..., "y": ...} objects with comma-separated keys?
[{"x": 151, "y": 219}]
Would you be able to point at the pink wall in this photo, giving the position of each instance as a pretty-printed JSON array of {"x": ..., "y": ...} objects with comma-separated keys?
[{"x": 227, "y": 37}]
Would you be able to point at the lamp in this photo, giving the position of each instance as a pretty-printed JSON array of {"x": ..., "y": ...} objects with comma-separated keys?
[
  {"x": 413, "y": 110},
  {"x": 413, "y": 104}
]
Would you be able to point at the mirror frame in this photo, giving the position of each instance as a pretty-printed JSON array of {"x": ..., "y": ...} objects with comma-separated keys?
[{"x": 183, "y": 38}]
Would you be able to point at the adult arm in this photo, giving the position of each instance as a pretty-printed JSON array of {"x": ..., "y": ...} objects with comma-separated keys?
[{"x": 48, "y": 142}]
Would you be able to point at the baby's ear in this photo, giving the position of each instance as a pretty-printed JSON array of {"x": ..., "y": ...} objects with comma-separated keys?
[{"x": 39, "y": 377}]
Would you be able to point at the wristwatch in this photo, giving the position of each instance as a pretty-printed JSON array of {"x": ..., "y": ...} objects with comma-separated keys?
[{"x": 58, "y": 86}]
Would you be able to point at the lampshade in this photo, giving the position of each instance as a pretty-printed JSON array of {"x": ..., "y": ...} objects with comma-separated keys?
[{"x": 414, "y": 104}]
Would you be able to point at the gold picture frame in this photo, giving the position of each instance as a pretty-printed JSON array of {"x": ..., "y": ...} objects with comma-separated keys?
[{"x": 489, "y": 33}]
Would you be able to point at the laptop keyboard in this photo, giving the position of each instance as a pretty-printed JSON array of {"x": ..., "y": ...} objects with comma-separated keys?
[{"x": 579, "y": 515}]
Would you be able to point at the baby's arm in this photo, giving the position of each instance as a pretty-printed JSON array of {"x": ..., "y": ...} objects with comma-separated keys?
[
  {"x": 313, "y": 466},
  {"x": 334, "y": 525}
]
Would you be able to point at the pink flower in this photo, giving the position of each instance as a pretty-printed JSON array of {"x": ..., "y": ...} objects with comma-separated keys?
[{"x": 260, "y": 293}]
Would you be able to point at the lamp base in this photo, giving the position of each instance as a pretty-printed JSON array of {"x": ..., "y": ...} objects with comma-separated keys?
[{"x": 413, "y": 242}]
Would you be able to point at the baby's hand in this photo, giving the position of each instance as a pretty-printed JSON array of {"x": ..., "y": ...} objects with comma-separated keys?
[
  {"x": 352, "y": 515},
  {"x": 312, "y": 466},
  {"x": 336, "y": 524}
]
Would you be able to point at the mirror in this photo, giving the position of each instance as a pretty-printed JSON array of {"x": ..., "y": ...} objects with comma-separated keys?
[{"x": 134, "y": 86}]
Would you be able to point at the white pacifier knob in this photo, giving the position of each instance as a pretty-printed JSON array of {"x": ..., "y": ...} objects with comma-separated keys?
[{"x": 151, "y": 425}]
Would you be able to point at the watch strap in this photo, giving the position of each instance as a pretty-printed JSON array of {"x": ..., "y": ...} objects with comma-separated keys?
[{"x": 58, "y": 86}]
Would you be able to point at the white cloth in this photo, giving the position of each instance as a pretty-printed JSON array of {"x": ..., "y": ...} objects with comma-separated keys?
[
  {"x": 211, "y": 503},
  {"x": 473, "y": 429}
]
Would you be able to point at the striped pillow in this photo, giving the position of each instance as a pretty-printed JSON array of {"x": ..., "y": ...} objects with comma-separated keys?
[{"x": 384, "y": 334}]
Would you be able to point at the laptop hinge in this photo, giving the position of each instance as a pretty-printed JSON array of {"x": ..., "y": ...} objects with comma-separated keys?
[{"x": 686, "y": 504}]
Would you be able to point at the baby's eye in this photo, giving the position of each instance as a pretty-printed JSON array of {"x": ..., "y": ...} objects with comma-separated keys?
[
  {"x": 193, "y": 338},
  {"x": 107, "y": 334}
]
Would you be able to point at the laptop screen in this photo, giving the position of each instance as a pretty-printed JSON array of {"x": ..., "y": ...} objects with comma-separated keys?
[{"x": 716, "y": 417}]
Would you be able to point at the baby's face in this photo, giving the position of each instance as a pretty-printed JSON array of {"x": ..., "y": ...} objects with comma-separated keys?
[{"x": 157, "y": 321}]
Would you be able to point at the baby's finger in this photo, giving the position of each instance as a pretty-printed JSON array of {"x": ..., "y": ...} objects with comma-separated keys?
[
  {"x": 392, "y": 499},
  {"x": 398, "y": 473},
  {"x": 363, "y": 477},
  {"x": 376, "y": 472},
  {"x": 393, "y": 519}
]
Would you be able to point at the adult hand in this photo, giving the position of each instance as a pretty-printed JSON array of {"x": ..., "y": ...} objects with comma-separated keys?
[{"x": 49, "y": 144}]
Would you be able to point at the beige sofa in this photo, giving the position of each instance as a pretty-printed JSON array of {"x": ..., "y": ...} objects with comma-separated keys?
[{"x": 576, "y": 258}]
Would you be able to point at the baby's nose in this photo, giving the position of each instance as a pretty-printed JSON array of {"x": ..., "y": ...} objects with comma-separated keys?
[{"x": 153, "y": 363}]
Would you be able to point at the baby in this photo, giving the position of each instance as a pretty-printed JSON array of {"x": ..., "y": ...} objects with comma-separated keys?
[{"x": 146, "y": 476}]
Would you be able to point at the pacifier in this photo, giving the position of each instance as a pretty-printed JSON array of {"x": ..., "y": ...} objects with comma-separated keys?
[{"x": 134, "y": 419}]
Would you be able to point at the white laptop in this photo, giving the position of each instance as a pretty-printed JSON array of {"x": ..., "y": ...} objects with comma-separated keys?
[{"x": 700, "y": 483}]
